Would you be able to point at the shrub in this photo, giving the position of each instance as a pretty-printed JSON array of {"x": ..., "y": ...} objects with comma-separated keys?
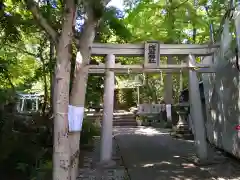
[
  {"x": 89, "y": 130},
  {"x": 17, "y": 133}
]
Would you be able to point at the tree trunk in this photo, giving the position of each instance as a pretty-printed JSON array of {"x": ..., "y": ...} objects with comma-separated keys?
[
  {"x": 73, "y": 66},
  {"x": 193, "y": 24},
  {"x": 44, "y": 82},
  {"x": 61, "y": 151},
  {"x": 45, "y": 91},
  {"x": 61, "y": 161},
  {"x": 78, "y": 91},
  {"x": 79, "y": 85},
  {"x": 51, "y": 74}
]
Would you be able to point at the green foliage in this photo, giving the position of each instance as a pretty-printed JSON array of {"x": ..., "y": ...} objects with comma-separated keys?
[
  {"x": 115, "y": 24},
  {"x": 17, "y": 133},
  {"x": 89, "y": 130},
  {"x": 43, "y": 171},
  {"x": 170, "y": 22},
  {"x": 94, "y": 91}
]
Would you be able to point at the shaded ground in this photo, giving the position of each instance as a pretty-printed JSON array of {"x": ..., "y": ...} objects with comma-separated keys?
[
  {"x": 150, "y": 153},
  {"x": 90, "y": 170}
]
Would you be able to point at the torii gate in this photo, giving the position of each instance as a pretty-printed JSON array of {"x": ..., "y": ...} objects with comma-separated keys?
[{"x": 151, "y": 51}]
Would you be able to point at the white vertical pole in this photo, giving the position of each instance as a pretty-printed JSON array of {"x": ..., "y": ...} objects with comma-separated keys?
[
  {"x": 22, "y": 105},
  {"x": 37, "y": 104},
  {"x": 196, "y": 111},
  {"x": 106, "y": 135},
  {"x": 169, "y": 112}
]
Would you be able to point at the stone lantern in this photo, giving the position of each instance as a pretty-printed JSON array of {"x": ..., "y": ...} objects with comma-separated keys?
[{"x": 181, "y": 127}]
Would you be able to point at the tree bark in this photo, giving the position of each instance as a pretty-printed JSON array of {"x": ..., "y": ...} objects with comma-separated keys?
[
  {"x": 51, "y": 73},
  {"x": 79, "y": 85},
  {"x": 61, "y": 150},
  {"x": 78, "y": 91},
  {"x": 73, "y": 66},
  {"x": 45, "y": 89},
  {"x": 61, "y": 158}
]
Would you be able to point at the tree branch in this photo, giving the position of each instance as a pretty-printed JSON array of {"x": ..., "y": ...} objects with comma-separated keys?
[
  {"x": 88, "y": 34},
  {"x": 7, "y": 76},
  {"x": 105, "y": 2},
  {"x": 41, "y": 20},
  {"x": 180, "y": 4}
]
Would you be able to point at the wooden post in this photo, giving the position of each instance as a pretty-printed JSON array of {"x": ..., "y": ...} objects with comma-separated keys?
[
  {"x": 196, "y": 111},
  {"x": 138, "y": 95},
  {"x": 168, "y": 89},
  {"x": 107, "y": 125}
]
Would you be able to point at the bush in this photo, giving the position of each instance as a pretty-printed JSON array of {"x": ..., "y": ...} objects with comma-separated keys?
[
  {"x": 17, "y": 133},
  {"x": 26, "y": 146},
  {"x": 89, "y": 130}
]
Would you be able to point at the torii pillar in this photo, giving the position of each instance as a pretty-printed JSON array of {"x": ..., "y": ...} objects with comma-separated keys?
[
  {"x": 196, "y": 111},
  {"x": 168, "y": 91},
  {"x": 108, "y": 106}
]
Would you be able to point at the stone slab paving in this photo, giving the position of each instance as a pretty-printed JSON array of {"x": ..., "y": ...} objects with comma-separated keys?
[
  {"x": 152, "y": 154},
  {"x": 92, "y": 171}
]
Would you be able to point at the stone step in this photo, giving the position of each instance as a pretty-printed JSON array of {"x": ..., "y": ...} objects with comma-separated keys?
[
  {"x": 126, "y": 116},
  {"x": 130, "y": 123},
  {"x": 186, "y": 135},
  {"x": 121, "y": 120},
  {"x": 118, "y": 120},
  {"x": 125, "y": 119},
  {"x": 114, "y": 117}
]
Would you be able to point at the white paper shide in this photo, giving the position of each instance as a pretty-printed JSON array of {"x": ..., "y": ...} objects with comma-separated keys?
[{"x": 75, "y": 118}]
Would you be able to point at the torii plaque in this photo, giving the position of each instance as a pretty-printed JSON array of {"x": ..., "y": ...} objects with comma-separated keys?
[{"x": 152, "y": 54}]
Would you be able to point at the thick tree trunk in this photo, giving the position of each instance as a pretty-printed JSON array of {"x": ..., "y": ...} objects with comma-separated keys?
[
  {"x": 61, "y": 151},
  {"x": 61, "y": 154},
  {"x": 79, "y": 86},
  {"x": 77, "y": 98},
  {"x": 61, "y": 159},
  {"x": 78, "y": 91}
]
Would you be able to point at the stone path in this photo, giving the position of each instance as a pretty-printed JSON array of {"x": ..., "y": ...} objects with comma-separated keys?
[
  {"x": 91, "y": 171},
  {"x": 152, "y": 154}
]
